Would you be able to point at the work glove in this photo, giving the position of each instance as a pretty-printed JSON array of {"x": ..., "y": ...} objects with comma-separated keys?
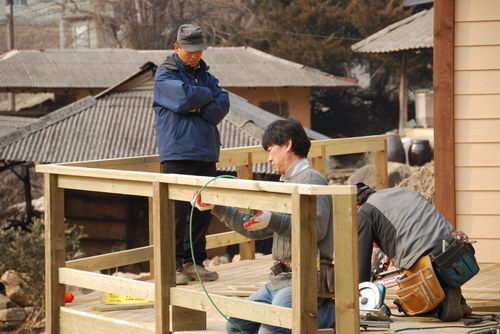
[
  {"x": 197, "y": 203},
  {"x": 258, "y": 222}
]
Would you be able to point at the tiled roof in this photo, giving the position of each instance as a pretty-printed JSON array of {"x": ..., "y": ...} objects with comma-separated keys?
[
  {"x": 103, "y": 68},
  {"x": 9, "y": 124},
  {"x": 414, "y": 32},
  {"x": 120, "y": 124}
]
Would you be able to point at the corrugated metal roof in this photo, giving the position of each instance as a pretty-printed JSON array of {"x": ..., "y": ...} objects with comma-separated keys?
[
  {"x": 121, "y": 124},
  {"x": 414, "y": 32},
  {"x": 103, "y": 68},
  {"x": 9, "y": 124}
]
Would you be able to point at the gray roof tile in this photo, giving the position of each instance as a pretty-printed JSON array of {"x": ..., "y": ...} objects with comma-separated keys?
[{"x": 414, "y": 32}]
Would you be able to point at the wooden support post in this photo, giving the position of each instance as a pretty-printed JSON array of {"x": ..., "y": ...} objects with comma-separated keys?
[
  {"x": 164, "y": 254},
  {"x": 304, "y": 241},
  {"x": 247, "y": 248},
  {"x": 319, "y": 163},
  {"x": 151, "y": 238},
  {"x": 346, "y": 264},
  {"x": 381, "y": 179},
  {"x": 55, "y": 252},
  {"x": 177, "y": 318}
]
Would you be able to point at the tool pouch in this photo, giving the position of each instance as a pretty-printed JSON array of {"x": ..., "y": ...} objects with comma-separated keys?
[
  {"x": 326, "y": 281},
  {"x": 419, "y": 289},
  {"x": 457, "y": 264}
]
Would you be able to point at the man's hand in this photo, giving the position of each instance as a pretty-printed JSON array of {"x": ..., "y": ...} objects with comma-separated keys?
[
  {"x": 197, "y": 203},
  {"x": 258, "y": 222}
]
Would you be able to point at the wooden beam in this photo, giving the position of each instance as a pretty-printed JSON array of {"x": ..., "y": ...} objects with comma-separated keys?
[
  {"x": 304, "y": 287},
  {"x": 444, "y": 132},
  {"x": 232, "y": 307},
  {"x": 107, "y": 283},
  {"x": 113, "y": 186},
  {"x": 225, "y": 239},
  {"x": 55, "y": 252},
  {"x": 247, "y": 247},
  {"x": 403, "y": 95},
  {"x": 112, "y": 260},
  {"x": 346, "y": 264},
  {"x": 381, "y": 178},
  {"x": 164, "y": 254}
]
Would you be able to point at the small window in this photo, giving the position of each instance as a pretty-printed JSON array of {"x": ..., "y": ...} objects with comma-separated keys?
[
  {"x": 20, "y": 2},
  {"x": 82, "y": 36},
  {"x": 277, "y": 108}
]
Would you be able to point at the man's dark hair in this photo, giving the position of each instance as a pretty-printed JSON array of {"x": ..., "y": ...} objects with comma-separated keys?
[
  {"x": 364, "y": 192},
  {"x": 278, "y": 132}
]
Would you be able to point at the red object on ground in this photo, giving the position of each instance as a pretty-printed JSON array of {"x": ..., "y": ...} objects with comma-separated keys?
[{"x": 68, "y": 297}]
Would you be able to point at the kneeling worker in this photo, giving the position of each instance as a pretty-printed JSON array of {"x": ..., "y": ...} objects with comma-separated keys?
[
  {"x": 288, "y": 146},
  {"x": 412, "y": 232}
]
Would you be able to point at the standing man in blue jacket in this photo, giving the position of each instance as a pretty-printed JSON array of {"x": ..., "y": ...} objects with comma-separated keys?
[{"x": 188, "y": 105}]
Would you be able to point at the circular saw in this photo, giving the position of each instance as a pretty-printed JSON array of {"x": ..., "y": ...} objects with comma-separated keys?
[{"x": 371, "y": 296}]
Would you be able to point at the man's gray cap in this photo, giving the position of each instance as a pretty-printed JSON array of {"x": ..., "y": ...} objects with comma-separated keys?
[{"x": 191, "y": 38}]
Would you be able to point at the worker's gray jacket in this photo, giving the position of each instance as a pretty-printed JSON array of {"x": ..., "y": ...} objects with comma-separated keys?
[
  {"x": 280, "y": 226},
  {"x": 404, "y": 224}
]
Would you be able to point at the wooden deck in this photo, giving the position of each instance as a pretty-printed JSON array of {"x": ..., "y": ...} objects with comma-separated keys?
[{"x": 483, "y": 290}]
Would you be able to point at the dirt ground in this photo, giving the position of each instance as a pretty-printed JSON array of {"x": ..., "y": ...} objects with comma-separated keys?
[{"x": 422, "y": 181}]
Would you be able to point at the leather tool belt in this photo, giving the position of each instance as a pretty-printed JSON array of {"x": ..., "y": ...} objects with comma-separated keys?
[
  {"x": 325, "y": 277},
  {"x": 457, "y": 264},
  {"x": 419, "y": 289}
]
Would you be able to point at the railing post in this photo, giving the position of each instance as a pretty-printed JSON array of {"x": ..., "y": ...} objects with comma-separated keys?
[
  {"x": 164, "y": 254},
  {"x": 151, "y": 238},
  {"x": 319, "y": 163},
  {"x": 247, "y": 248},
  {"x": 55, "y": 252},
  {"x": 304, "y": 245},
  {"x": 346, "y": 263},
  {"x": 381, "y": 181}
]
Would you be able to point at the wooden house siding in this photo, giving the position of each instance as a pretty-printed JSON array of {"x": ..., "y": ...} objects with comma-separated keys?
[{"x": 477, "y": 123}]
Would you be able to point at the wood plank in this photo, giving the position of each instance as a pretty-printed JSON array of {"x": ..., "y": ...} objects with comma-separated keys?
[
  {"x": 134, "y": 163},
  {"x": 477, "y": 154},
  {"x": 225, "y": 239},
  {"x": 233, "y": 307},
  {"x": 100, "y": 229},
  {"x": 477, "y": 58},
  {"x": 346, "y": 269},
  {"x": 477, "y": 106},
  {"x": 478, "y": 178},
  {"x": 484, "y": 251},
  {"x": 233, "y": 197},
  {"x": 121, "y": 307},
  {"x": 443, "y": 81},
  {"x": 477, "y": 82},
  {"x": 106, "y": 283},
  {"x": 304, "y": 246},
  {"x": 113, "y": 186},
  {"x": 112, "y": 260},
  {"x": 164, "y": 254},
  {"x": 73, "y": 321},
  {"x": 247, "y": 247},
  {"x": 95, "y": 174},
  {"x": 477, "y": 131},
  {"x": 474, "y": 10},
  {"x": 477, "y": 33},
  {"x": 479, "y": 226},
  {"x": 55, "y": 252},
  {"x": 478, "y": 202},
  {"x": 381, "y": 177}
]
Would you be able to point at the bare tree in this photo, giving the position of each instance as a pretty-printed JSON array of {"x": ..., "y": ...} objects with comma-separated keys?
[{"x": 153, "y": 24}]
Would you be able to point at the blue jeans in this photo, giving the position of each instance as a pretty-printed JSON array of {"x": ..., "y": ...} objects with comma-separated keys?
[{"x": 280, "y": 297}]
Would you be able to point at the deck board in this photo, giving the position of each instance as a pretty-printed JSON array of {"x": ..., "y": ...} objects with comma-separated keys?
[{"x": 254, "y": 273}]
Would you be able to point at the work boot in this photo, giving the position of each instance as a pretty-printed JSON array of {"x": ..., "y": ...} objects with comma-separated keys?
[
  {"x": 205, "y": 275},
  {"x": 450, "y": 308},
  {"x": 466, "y": 309},
  {"x": 181, "y": 277}
]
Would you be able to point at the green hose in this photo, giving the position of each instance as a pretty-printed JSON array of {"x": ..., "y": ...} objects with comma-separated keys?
[{"x": 192, "y": 251}]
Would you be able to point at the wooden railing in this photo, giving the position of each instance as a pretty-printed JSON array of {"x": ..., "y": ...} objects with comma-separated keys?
[{"x": 140, "y": 177}]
